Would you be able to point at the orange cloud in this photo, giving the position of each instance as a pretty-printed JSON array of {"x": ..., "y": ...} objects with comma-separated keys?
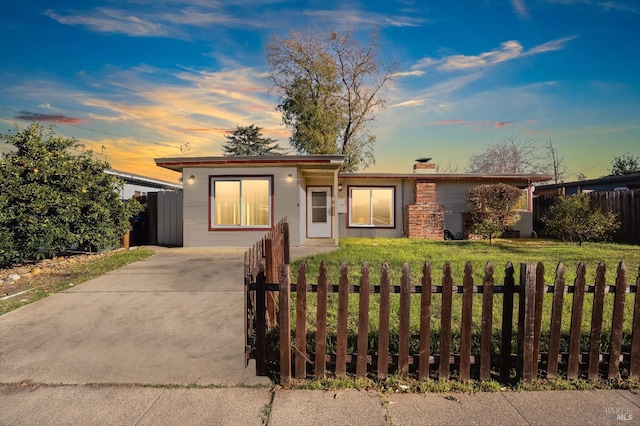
[
  {"x": 444, "y": 122},
  {"x": 55, "y": 118},
  {"x": 505, "y": 123}
]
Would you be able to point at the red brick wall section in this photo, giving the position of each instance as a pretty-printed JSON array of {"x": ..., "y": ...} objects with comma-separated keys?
[{"x": 424, "y": 218}]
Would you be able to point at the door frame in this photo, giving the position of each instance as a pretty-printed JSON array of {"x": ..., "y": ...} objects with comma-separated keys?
[{"x": 329, "y": 193}]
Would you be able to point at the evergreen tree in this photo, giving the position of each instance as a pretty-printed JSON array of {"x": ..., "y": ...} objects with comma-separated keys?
[{"x": 249, "y": 141}]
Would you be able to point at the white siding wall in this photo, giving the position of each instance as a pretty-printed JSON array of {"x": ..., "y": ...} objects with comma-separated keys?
[{"x": 196, "y": 206}]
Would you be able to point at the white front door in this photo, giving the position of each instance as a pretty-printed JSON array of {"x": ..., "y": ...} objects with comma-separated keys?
[{"x": 319, "y": 212}]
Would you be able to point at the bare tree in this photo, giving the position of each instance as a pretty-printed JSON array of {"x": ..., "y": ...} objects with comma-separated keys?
[
  {"x": 511, "y": 156},
  {"x": 556, "y": 162},
  {"x": 330, "y": 86}
]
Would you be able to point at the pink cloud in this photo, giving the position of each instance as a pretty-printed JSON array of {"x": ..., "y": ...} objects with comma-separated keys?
[
  {"x": 55, "y": 118},
  {"x": 445, "y": 122},
  {"x": 504, "y": 123}
]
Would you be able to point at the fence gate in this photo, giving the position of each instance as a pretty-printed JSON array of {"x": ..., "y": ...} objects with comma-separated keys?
[{"x": 260, "y": 286}]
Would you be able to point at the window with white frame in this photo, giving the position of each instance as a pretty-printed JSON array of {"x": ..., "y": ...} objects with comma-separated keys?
[
  {"x": 240, "y": 202},
  {"x": 371, "y": 206},
  {"x": 522, "y": 204}
]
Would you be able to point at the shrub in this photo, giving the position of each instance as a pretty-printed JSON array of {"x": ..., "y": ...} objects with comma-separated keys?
[
  {"x": 492, "y": 208},
  {"x": 573, "y": 219},
  {"x": 51, "y": 199}
]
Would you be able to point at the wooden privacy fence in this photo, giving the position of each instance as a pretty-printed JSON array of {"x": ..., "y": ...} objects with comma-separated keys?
[
  {"x": 527, "y": 360},
  {"x": 626, "y": 204},
  {"x": 261, "y": 264}
]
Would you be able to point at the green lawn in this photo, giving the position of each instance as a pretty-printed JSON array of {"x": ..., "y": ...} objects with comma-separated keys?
[{"x": 354, "y": 251}]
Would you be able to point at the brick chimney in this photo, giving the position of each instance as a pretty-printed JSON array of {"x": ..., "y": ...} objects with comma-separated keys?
[{"x": 423, "y": 166}]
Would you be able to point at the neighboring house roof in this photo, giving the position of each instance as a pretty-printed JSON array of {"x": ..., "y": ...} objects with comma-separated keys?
[
  {"x": 607, "y": 183},
  {"x": 130, "y": 178}
]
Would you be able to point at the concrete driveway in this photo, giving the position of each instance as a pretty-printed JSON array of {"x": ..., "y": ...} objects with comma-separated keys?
[{"x": 174, "y": 318}]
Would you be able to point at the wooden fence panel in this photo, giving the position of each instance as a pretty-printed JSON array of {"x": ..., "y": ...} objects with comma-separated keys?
[
  {"x": 425, "y": 323},
  {"x": 487, "y": 323},
  {"x": 405, "y": 312},
  {"x": 363, "y": 323},
  {"x": 445, "y": 322},
  {"x": 576, "y": 323},
  {"x": 467, "y": 320},
  {"x": 383, "y": 327},
  {"x": 507, "y": 322},
  {"x": 527, "y": 363},
  {"x": 301, "y": 322},
  {"x": 321, "y": 322},
  {"x": 343, "y": 312},
  {"x": 285, "y": 325},
  {"x": 595, "y": 337},
  {"x": 634, "y": 362},
  {"x": 617, "y": 323},
  {"x": 556, "y": 322},
  {"x": 538, "y": 309}
]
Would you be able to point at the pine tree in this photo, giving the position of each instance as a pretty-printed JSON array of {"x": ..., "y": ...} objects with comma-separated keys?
[{"x": 249, "y": 141}]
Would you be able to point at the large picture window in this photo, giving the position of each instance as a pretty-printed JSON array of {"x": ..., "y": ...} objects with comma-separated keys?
[
  {"x": 240, "y": 202},
  {"x": 371, "y": 207}
]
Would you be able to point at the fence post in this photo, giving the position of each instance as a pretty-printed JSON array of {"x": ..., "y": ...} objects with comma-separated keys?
[
  {"x": 527, "y": 360},
  {"x": 285, "y": 326},
  {"x": 403, "y": 326},
  {"x": 634, "y": 363},
  {"x": 261, "y": 325},
  {"x": 575, "y": 332},
  {"x": 507, "y": 322},
  {"x": 616, "y": 326},
  {"x": 301, "y": 322},
  {"x": 383, "y": 324},
  {"x": 487, "y": 323},
  {"x": 271, "y": 270},
  {"x": 425, "y": 323},
  {"x": 445, "y": 322},
  {"x": 363, "y": 323},
  {"x": 321, "y": 321},
  {"x": 343, "y": 312},
  {"x": 285, "y": 231}
]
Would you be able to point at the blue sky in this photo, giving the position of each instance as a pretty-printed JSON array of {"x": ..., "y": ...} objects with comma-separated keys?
[{"x": 135, "y": 80}]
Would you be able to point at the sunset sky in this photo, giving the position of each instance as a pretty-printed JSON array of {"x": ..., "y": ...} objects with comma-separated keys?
[{"x": 136, "y": 79}]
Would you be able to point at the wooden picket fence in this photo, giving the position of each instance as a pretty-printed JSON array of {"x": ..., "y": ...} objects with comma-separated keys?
[
  {"x": 527, "y": 359},
  {"x": 261, "y": 263}
]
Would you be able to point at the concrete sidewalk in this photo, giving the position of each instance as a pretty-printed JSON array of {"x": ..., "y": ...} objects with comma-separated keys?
[{"x": 127, "y": 405}]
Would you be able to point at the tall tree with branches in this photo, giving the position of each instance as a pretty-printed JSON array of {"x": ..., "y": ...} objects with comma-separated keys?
[
  {"x": 511, "y": 156},
  {"x": 555, "y": 161},
  {"x": 248, "y": 140},
  {"x": 329, "y": 87}
]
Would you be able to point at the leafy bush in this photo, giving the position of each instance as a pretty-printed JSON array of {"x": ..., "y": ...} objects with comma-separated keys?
[
  {"x": 492, "y": 208},
  {"x": 573, "y": 219},
  {"x": 51, "y": 199}
]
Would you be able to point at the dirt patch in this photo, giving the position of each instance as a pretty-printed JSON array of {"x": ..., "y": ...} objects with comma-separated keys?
[{"x": 40, "y": 274}]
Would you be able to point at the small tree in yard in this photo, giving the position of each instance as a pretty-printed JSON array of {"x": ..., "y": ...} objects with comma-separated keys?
[
  {"x": 51, "y": 199},
  {"x": 492, "y": 209},
  {"x": 573, "y": 219}
]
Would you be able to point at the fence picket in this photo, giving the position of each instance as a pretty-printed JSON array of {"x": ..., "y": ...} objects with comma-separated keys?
[
  {"x": 616, "y": 326},
  {"x": 405, "y": 312},
  {"x": 596, "y": 322},
  {"x": 445, "y": 322},
  {"x": 425, "y": 323},
  {"x": 575, "y": 332},
  {"x": 301, "y": 322},
  {"x": 343, "y": 312},
  {"x": 383, "y": 327},
  {"x": 556, "y": 322},
  {"x": 285, "y": 325},
  {"x": 538, "y": 310},
  {"x": 467, "y": 319},
  {"x": 321, "y": 322},
  {"x": 363, "y": 322},
  {"x": 487, "y": 323},
  {"x": 507, "y": 322},
  {"x": 634, "y": 362},
  {"x": 527, "y": 363}
]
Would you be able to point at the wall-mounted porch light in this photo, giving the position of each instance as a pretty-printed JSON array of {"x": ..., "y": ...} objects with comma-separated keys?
[
  {"x": 340, "y": 187},
  {"x": 289, "y": 178},
  {"x": 191, "y": 179}
]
